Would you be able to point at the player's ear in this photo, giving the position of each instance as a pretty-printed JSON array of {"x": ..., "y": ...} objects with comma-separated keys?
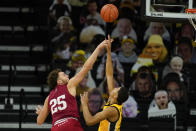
[{"x": 116, "y": 95}]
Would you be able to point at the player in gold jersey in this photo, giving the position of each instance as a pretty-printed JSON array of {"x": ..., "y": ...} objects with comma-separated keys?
[{"x": 111, "y": 116}]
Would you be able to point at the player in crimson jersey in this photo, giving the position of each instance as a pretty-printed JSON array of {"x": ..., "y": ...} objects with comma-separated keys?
[{"x": 61, "y": 102}]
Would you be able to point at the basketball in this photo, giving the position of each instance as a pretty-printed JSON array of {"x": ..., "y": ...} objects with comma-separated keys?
[{"x": 109, "y": 13}]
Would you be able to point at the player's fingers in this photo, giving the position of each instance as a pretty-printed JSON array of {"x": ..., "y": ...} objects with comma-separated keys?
[
  {"x": 81, "y": 96},
  {"x": 109, "y": 37},
  {"x": 84, "y": 94}
]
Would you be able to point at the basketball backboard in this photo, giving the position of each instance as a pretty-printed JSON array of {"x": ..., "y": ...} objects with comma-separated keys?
[{"x": 167, "y": 10}]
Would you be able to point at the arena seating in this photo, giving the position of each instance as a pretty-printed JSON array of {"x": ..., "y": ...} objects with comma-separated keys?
[{"x": 25, "y": 62}]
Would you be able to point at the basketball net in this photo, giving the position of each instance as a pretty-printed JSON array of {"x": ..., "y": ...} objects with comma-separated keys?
[{"x": 192, "y": 17}]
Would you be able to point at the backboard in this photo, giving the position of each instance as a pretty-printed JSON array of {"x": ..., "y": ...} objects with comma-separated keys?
[{"x": 167, "y": 10}]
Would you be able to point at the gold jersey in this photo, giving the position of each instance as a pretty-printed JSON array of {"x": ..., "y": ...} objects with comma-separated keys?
[{"x": 106, "y": 125}]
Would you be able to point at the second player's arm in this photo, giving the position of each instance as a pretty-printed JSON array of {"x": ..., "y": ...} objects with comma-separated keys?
[
  {"x": 107, "y": 113},
  {"x": 109, "y": 68}
]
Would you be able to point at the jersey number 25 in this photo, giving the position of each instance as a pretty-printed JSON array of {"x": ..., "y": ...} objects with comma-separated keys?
[{"x": 58, "y": 104}]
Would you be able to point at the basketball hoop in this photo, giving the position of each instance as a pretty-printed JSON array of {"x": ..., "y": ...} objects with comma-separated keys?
[{"x": 192, "y": 16}]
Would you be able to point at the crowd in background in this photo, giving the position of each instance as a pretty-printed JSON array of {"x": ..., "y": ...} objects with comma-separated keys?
[{"x": 154, "y": 60}]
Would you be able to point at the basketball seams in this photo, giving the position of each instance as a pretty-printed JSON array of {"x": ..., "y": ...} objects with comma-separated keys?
[
  {"x": 110, "y": 15},
  {"x": 109, "y": 12},
  {"x": 103, "y": 10}
]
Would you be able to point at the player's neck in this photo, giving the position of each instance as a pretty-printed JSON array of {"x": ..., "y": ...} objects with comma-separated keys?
[{"x": 112, "y": 101}]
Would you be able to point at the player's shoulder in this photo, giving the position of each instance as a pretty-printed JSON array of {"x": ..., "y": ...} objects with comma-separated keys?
[{"x": 111, "y": 110}]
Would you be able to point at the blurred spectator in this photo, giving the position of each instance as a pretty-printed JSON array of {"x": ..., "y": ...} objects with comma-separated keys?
[
  {"x": 127, "y": 57},
  {"x": 175, "y": 88},
  {"x": 176, "y": 65},
  {"x": 63, "y": 26},
  {"x": 95, "y": 103},
  {"x": 95, "y": 100},
  {"x": 177, "y": 92},
  {"x": 65, "y": 40},
  {"x": 145, "y": 59},
  {"x": 127, "y": 53},
  {"x": 129, "y": 108},
  {"x": 144, "y": 85},
  {"x": 94, "y": 14},
  {"x": 143, "y": 94},
  {"x": 77, "y": 7},
  {"x": 142, "y": 69},
  {"x": 118, "y": 69},
  {"x": 126, "y": 9},
  {"x": 57, "y": 9},
  {"x": 77, "y": 60},
  {"x": 87, "y": 34},
  {"x": 161, "y": 107},
  {"x": 142, "y": 60},
  {"x": 124, "y": 28},
  {"x": 85, "y": 84},
  {"x": 90, "y": 15},
  {"x": 158, "y": 29},
  {"x": 184, "y": 49},
  {"x": 188, "y": 31},
  {"x": 156, "y": 49}
]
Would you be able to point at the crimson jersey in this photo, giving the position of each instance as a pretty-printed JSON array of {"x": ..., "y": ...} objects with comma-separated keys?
[{"x": 62, "y": 104}]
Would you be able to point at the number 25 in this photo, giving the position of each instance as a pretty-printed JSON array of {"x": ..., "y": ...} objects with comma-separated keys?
[{"x": 58, "y": 104}]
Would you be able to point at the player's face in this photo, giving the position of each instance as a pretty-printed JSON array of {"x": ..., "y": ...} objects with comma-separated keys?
[
  {"x": 154, "y": 50},
  {"x": 63, "y": 78},
  {"x": 162, "y": 100},
  {"x": 177, "y": 65},
  {"x": 174, "y": 91}
]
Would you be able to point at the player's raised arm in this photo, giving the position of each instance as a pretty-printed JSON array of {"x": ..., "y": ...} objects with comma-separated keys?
[
  {"x": 109, "y": 67},
  {"x": 87, "y": 65}
]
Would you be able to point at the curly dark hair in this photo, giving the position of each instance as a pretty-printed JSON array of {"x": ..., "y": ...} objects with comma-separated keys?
[{"x": 52, "y": 78}]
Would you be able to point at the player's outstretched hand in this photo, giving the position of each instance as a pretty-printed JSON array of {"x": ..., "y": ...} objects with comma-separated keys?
[
  {"x": 109, "y": 41},
  {"x": 38, "y": 109},
  {"x": 103, "y": 44},
  {"x": 84, "y": 98}
]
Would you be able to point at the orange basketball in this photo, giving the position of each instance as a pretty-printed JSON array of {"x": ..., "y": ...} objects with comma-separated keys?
[{"x": 109, "y": 13}]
